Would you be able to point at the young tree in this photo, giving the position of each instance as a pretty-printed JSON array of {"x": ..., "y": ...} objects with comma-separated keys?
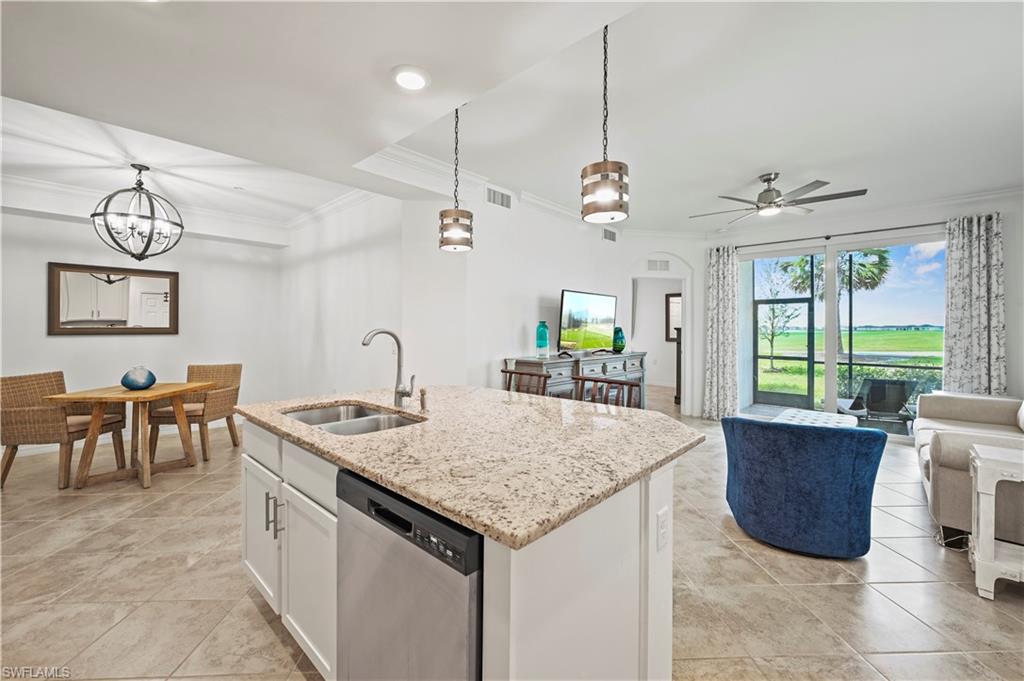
[
  {"x": 778, "y": 318},
  {"x": 870, "y": 268}
]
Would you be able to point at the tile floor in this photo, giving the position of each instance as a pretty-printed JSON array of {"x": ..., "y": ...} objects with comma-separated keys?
[{"x": 118, "y": 582}]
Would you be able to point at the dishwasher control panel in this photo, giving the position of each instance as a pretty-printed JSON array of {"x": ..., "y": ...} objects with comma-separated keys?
[{"x": 439, "y": 547}]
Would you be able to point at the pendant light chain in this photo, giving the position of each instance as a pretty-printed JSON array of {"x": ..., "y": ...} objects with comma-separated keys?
[
  {"x": 605, "y": 112},
  {"x": 456, "y": 158}
]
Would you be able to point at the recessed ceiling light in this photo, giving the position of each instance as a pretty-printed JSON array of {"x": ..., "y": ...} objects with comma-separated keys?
[{"x": 410, "y": 77}]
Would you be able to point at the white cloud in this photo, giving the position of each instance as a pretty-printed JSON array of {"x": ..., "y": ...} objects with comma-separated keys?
[
  {"x": 927, "y": 251},
  {"x": 924, "y": 269}
]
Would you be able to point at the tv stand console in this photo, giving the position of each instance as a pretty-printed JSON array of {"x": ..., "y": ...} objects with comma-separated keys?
[{"x": 629, "y": 366}]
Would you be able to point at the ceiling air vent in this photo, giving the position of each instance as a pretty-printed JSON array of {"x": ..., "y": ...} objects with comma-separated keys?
[
  {"x": 610, "y": 235},
  {"x": 657, "y": 265},
  {"x": 499, "y": 198}
]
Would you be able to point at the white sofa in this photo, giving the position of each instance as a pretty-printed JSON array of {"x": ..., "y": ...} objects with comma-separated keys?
[{"x": 947, "y": 425}]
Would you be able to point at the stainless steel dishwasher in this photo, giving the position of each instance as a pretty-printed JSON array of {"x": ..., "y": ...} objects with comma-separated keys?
[{"x": 410, "y": 586}]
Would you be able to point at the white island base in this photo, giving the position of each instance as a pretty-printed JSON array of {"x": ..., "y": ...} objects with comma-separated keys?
[{"x": 590, "y": 600}]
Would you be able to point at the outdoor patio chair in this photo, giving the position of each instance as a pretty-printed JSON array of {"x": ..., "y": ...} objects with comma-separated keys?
[{"x": 879, "y": 398}]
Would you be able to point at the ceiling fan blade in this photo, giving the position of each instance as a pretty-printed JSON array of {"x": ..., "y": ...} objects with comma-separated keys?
[
  {"x": 733, "y": 198},
  {"x": 828, "y": 197},
  {"x": 743, "y": 217},
  {"x": 796, "y": 210},
  {"x": 734, "y": 210},
  {"x": 806, "y": 189}
]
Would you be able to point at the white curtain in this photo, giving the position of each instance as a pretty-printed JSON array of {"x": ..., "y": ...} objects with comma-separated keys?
[
  {"x": 720, "y": 392},
  {"x": 975, "y": 337}
]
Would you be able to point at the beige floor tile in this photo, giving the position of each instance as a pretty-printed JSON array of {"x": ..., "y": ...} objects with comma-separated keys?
[
  {"x": 869, "y": 621},
  {"x": 214, "y": 482},
  {"x": 225, "y": 505},
  {"x": 245, "y": 677},
  {"x": 194, "y": 535},
  {"x": 725, "y": 523},
  {"x": 719, "y": 562},
  {"x": 50, "y": 635},
  {"x": 50, "y": 577},
  {"x": 914, "y": 490},
  {"x": 769, "y": 621},
  {"x": 60, "y": 506},
  {"x": 1009, "y": 596},
  {"x": 153, "y": 640},
  {"x": 11, "y": 564},
  {"x": 160, "y": 484},
  {"x": 689, "y": 525},
  {"x": 817, "y": 668},
  {"x": 175, "y": 505},
  {"x": 115, "y": 506},
  {"x": 1009, "y": 666},
  {"x": 10, "y": 530},
  {"x": 699, "y": 630},
  {"x": 133, "y": 576},
  {"x": 251, "y": 639},
  {"x": 886, "y": 496},
  {"x": 13, "y": 497},
  {"x": 971, "y": 621},
  {"x": 949, "y": 565},
  {"x": 915, "y": 515},
  {"x": 886, "y": 525},
  {"x": 217, "y": 575},
  {"x": 932, "y": 667},
  {"x": 124, "y": 535},
  {"x": 882, "y": 564},
  {"x": 887, "y": 475},
  {"x": 716, "y": 669},
  {"x": 792, "y": 568},
  {"x": 51, "y": 536},
  {"x": 304, "y": 676}
]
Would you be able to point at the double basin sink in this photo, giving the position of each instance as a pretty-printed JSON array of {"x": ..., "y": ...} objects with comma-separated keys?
[{"x": 351, "y": 419}]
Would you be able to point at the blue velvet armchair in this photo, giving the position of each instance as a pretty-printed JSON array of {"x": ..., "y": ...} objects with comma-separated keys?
[{"x": 803, "y": 488}]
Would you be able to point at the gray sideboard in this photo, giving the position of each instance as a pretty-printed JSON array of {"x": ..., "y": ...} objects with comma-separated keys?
[{"x": 630, "y": 366}]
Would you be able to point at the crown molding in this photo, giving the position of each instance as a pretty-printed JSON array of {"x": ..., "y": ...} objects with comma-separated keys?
[
  {"x": 339, "y": 204},
  {"x": 548, "y": 205}
]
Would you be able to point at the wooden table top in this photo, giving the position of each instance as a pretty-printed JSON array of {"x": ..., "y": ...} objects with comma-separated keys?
[{"x": 117, "y": 393}]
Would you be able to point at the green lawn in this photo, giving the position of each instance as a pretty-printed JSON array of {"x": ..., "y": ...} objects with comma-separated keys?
[
  {"x": 791, "y": 377},
  {"x": 896, "y": 342},
  {"x": 593, "y": 336}
]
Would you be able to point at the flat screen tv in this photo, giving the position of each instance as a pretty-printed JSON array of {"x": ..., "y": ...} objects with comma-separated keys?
[{"x": 586, "y": 321}]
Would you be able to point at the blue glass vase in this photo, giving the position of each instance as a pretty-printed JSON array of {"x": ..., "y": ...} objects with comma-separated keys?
[
  {"x": 138, "y": 378},
  {"x": 543, "y": 347},
  {"x": 618, "y": 340}
]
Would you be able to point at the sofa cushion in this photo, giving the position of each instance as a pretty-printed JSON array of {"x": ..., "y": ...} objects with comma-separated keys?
[
  {"x": 191, "y": 409},
  {"x": 81, "y": 421},
  {"x": 1020, "y": 417},
  {"x": 932, "y": 424}
]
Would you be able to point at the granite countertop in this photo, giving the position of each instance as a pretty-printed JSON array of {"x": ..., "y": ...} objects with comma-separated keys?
[{"x": 510, "y": 466}]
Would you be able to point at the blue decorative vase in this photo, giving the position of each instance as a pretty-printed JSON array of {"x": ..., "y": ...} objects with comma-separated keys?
[
  {"x": 138, "y": 378},
  {"x": 618, "y": 340},
  {"x": 543, "y": 347}
]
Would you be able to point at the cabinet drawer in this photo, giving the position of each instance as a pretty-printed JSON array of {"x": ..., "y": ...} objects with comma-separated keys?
[
  {"x": 633, "y": 363},
  {"x": 594, "y": 369},
  {"x": 564, "y": 389},
  {"x": 311, "y": 475},
  {"x": 635, "y": 376},
  {"x": 560, "y": 373},
  {"x": 263, "y": 446},
  {"x": 614, "y": 366}
]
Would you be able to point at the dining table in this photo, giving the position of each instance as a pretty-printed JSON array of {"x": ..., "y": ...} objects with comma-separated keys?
[{"x": 142, "y": 466}]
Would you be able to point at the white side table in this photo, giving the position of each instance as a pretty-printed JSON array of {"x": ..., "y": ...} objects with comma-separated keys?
[{"x": 990, "y": 558}]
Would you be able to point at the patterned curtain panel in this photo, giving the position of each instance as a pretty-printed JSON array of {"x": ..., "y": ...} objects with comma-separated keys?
[
  {"x": 720, "y": 392},
  {"x": 975, "y": 354}
]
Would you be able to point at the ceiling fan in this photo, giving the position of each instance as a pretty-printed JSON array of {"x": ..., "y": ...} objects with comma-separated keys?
[{"x": 771, "y": 201}]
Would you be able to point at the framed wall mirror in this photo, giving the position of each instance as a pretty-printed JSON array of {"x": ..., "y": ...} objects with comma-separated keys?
[
  {"x": 90, "y": 300},
  {"x": 673, "y": 315}
]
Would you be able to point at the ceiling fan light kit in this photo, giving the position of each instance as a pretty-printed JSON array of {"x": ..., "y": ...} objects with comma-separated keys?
[
  {"x": 137, "y": 222},
  {"x": 605, "y": 193},
  {"x": 455, "y": 233},
  {"x": 770, "y": 201}
]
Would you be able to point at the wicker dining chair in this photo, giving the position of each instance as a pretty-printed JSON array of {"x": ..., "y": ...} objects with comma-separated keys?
[
  {"x": 608, "y": 391},
  {"x": 27, "y": 419},
  {"x": 202, "y": 408},
  {"x": 526, "y": 382}
]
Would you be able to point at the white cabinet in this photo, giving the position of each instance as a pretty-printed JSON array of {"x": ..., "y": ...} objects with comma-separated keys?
[
  {"x": 261, "y": 548},
  {"x": 111, "y": 300},
  {"x": 86, "y": 297},
  {"x": 290, "y": 542},
  {"x": 309, "y": 569}
]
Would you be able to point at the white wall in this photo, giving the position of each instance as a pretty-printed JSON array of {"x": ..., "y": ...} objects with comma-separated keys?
[
  {"x": 340, "y": 278},
  {"x": 227, "y": 312},
  {"x": 650, "y": 329}
]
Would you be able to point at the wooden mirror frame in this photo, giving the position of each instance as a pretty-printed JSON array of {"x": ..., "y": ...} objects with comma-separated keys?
[
  {"x": 53, "y": 327},
  {"x": 669, "y": 330}
]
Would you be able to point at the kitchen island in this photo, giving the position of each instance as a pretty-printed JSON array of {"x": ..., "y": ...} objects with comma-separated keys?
[{"x": 573, "y": 501}]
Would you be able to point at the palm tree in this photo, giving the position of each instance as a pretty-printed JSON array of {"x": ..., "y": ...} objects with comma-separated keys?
[{"x": 870, "y": 266}]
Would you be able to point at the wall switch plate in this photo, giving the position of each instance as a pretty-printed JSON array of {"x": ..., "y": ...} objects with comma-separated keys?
[{"x": 661, "y": 528}]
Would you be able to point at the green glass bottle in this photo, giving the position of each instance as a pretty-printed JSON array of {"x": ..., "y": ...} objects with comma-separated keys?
[
  {"x": 543, "y": 347},
  {"x": 618, "y": 340}
]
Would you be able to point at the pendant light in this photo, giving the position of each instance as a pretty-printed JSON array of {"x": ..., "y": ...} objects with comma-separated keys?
[
  {"x": 456, "y": 231},
  {"x": 605, "y": 183},
  {"x": 137, "y": 222}
]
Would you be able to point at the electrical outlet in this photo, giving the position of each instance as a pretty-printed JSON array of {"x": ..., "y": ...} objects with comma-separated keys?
[{"x": 661, "y": 525}]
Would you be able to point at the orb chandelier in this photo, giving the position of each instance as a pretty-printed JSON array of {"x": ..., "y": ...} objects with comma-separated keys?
[
  {"x": 605, "y": 183},
  {"x": 137, "y": 222},
  {"x": 456, "y": 230}
]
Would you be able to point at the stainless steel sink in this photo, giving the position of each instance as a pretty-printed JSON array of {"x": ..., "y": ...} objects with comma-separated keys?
[
  {"x": 368, "y": 424},
  {"x": 340, "y": 412}
]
